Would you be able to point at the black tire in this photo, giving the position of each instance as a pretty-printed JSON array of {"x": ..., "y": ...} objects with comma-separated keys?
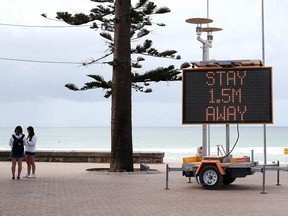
[
  {"x": 210, "y": 177},
  {"x": 228, "y": 180}
]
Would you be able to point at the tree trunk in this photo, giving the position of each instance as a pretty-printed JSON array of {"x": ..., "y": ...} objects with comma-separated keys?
[{"x": 121, "y": 124}]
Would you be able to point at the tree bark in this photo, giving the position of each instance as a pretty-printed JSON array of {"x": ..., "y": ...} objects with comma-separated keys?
[{"x": 121, "y": 123}]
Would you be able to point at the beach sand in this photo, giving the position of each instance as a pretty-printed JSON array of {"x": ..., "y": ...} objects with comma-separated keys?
[{"x": 68, "y": 189}]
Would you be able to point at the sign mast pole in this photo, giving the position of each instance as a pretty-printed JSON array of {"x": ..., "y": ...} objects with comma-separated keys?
[{"x": 206, "y": 44}]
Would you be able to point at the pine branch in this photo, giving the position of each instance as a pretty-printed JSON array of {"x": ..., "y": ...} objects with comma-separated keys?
[
  {"x": 157, "y": 75},
  {"x": 185, "y": 65},
  {"x": 103, "y": 18},
  {"x": 147, "y": 49},
  {"x": 77, "y": 19},
  {"x": 103, "y": 1},
  {"x": 162, "y": 10},
  {"x": 72, "y": 87},
  {"x": 140, "y": 4},
  {"x": 96, "y": 14},
  {"x": 106, "y": 35},
  {"x": 93, "y": 61},
  {"x": 139, "y": 82}
]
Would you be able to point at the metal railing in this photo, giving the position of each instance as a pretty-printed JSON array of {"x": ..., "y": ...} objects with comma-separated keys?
[{"x": 220, "y": 150}]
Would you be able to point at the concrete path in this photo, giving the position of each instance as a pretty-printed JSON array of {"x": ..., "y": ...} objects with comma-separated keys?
[{"x": 62, "y": 189}]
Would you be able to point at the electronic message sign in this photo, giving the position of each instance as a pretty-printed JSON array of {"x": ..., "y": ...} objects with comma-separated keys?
[{"x": 227, "y": 95}]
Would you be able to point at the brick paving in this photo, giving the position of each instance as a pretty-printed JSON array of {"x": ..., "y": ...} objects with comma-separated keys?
[{"x": 68, "y": 189}]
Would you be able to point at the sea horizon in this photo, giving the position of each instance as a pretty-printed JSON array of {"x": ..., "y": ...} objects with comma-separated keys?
[{"x": 176, "y": 142}]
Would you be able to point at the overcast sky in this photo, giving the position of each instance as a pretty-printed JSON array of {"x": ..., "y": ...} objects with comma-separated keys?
[{"x": 34, "y": 93}]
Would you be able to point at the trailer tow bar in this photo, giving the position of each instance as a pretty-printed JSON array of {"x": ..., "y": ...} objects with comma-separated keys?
[{"x": 168, "y": 169}]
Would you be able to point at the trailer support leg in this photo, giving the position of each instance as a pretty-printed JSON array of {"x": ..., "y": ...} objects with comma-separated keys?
[
  {"x": 167, "y": 176},
  {"x": 278, "y": 175}
]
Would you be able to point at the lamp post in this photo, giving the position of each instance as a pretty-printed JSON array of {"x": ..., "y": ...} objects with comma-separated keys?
[{"x": 264, "y": 126}]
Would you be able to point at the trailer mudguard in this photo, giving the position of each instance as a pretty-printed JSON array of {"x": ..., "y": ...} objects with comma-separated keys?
[{"x": 210, "y": 162}]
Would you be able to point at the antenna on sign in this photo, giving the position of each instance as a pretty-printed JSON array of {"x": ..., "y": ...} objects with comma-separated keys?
[
  {"x": 206, "y": 43},
  {"x": 205, "y": 56}
]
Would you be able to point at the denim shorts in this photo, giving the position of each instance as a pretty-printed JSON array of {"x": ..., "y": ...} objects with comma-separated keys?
[{"x": 17, "y": 154}]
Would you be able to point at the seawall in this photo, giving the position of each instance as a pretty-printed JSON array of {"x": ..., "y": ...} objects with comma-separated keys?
[{"x": 88, "y": 156}]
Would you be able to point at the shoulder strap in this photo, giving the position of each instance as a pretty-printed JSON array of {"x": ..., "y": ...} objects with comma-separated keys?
[{"x": 21, "y": 138}]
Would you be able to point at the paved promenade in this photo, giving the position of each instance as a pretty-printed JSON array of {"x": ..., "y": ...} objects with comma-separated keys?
[{"x": 62, "y": 189}]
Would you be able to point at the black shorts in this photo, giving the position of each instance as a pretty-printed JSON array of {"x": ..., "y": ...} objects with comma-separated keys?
[
  {"x": 17, "y": 155},
  {"x": 29, "y": 153}
]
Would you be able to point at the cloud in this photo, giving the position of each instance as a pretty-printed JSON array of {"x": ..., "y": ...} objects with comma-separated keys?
[
  {"x": 35, "y": 93},
  {"x": 280, "y": 112},
  {"x": 55, "y": 113}
]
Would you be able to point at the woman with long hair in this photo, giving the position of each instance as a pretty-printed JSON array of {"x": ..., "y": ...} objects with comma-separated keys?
[
  {"x": 30, "y": 153},
  {"x": 17, "y": 143}
]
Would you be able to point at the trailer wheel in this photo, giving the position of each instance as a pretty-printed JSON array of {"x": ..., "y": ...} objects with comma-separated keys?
[
  {"x": 228, "y": 180},
  {"x": 210, "y": 177}
]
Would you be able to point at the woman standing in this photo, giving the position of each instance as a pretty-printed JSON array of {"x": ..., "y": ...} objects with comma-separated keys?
[
  {"x": 17, "y": 143},
  {"x": 30, "y": 153}
]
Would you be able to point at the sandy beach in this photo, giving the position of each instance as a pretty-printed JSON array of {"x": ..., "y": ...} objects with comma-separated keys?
[{"x": 68, "y": 189}]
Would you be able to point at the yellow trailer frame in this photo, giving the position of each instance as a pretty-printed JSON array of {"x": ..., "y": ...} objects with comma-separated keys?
[{"x": 215, "y": 170}]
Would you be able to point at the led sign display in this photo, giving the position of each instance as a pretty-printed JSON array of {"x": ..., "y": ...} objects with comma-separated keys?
[{"x": 227, "y": 95}]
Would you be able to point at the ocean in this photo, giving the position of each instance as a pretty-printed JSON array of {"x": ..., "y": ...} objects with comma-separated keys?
[{"x": 176, "y": 142}]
